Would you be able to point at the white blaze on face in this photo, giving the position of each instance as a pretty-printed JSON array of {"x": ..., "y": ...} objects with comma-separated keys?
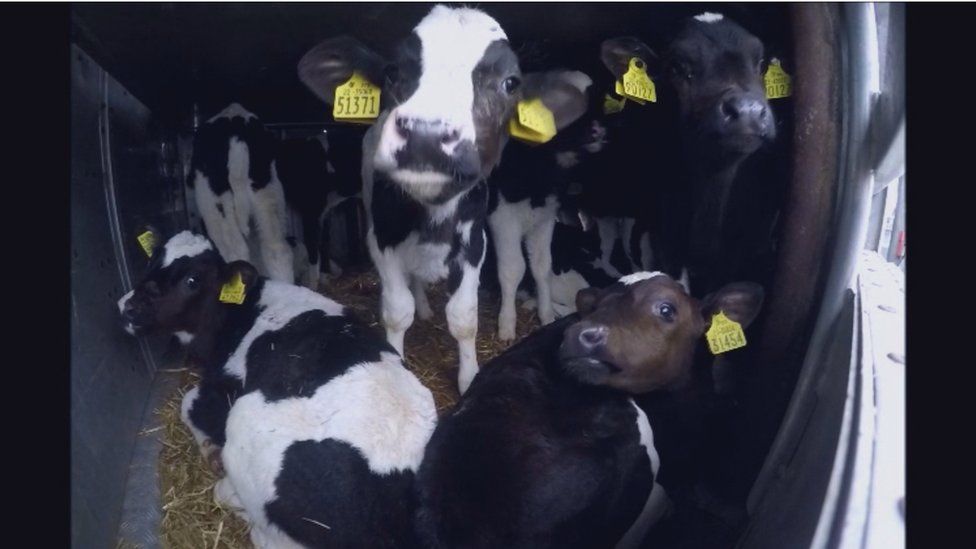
[
  {"x": 453, "y": 42},
  {"x": 637, "y": 277},
  {"x": 184, "y": 244},
  {"x": 709, "y": 17}
]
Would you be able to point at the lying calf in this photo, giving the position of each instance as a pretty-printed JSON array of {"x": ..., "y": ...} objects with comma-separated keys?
[
  {"x": 313, "y": 417},
  {"x": 547, "y": 448}
]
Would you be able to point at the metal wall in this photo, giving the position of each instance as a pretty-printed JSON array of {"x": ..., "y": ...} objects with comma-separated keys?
[{"x": 121, "y": 177}]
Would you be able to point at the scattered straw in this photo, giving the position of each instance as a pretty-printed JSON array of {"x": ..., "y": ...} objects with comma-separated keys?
[{"x": 191, "y": 518}]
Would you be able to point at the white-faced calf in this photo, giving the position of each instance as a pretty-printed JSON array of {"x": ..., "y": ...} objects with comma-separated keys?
[
  {"x": 313, "y": 417},
  {"x": 446, "y": 100},
  {"x": 234, "y": 182},
  {"x": 547, "y": 448}
]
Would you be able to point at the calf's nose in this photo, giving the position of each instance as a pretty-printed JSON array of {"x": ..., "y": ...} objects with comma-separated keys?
[
  {"x": 593, "y": 337},
  {"x": 426, "y": 132},
  {"x": 740, "y": 107}
]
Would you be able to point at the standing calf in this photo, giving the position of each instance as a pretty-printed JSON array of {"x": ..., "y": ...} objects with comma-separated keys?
[
  {"x": 714, "y": 210},
  {"x": 446, "y": 102},
  {"x": 318, "y": 174},
  {"x": 234, "y": 182},
  {"x": 526, "y": 193},
  {"x": 313, "y": 417}
]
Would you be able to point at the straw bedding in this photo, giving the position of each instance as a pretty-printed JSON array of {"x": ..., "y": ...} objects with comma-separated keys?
[{"x": 190, "y": 516}]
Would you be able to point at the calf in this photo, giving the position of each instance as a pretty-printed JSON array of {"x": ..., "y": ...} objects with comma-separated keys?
[
  {"x": 547, "y": 448},
  {"x": 577, "y": 262},
  {"x": 318, "y": 174},
  {"x": 526, "y": 192},
  {"x": 446, "y": 100},
  {"x": 713, "y": 212},
  {"x": 234, "y": 182},
  {"x": 313, "y": 417}
]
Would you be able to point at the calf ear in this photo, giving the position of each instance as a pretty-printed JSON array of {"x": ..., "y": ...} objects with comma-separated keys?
[
  {"x": 147, "y": 234},
  {"x": 586, "y": 300},
  {"x": 586, "y": 221},
  {"x": 249, "y": 275},
  {"x": 616, "y": 54},
  {"x": 740, "y": 301},
  {"x": 568, "y": 216},
  {"x": 563, "y": 92},
  {"x": 333, "y": 61}
]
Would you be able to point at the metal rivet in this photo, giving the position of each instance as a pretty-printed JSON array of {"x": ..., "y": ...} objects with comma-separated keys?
[{"x": 897, "y": 357}]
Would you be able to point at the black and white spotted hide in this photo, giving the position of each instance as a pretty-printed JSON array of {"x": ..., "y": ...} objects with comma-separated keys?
[
  {"x": 526, "y": 192},
  {"x": 310, "y": 414},
  {"x": 234, "y": 183},
  {"x": 446, "y": 98}
]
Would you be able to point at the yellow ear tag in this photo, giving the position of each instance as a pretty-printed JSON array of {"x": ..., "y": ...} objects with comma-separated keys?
[
  {"x": 357, "y": 101},
  {"x": 612, "y": 105},
  {"x": 534, "y": 122},
  {"x": 778, "y": 83},
  {"x": 233, "y": 291},
  {"x": 147, "y": 240},
  {"x": 636, "y": 84},
  {"x": 724, "y": 334}
]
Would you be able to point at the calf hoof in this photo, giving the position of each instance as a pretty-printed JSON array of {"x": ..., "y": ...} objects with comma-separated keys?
[
  {"x": 506, "y": 329},
  {"x": 547, "y": 317},
  {"x": 212, "y": 454}
]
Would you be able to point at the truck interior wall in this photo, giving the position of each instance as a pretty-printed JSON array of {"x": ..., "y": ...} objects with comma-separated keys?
[{"x": 118, "y": 182}]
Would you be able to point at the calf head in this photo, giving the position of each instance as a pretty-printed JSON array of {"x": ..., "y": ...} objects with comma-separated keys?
[
  {"x": 713, "y": 68},
  {"x": 642, "y": 333},
  {"x": 181, "y": 288},
  {"x": 447, "y": 96}
]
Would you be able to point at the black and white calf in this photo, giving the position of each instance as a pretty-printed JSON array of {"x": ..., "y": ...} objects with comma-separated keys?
[
  {"x": 318, "y": 174},
  {"x": 311, "y": 414},
  {"x": 446, "y": 101},
  {"x": 234, "y": 182},
  {"x": 547, "y": 448},
  {"x": 577, "y": 263},
  {"x": 525, "y": 194}
]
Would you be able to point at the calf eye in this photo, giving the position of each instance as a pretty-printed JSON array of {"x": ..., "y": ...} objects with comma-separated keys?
[
  {"x": 667, "y": 311},
  {"x": 681, "y": 70},
  {"x": 192, "y": 283},
  {"x": 511, "y": 84}
]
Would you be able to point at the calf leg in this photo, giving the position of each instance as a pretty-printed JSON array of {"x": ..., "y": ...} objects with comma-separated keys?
[
  {"x": 269, "y": 216},
  {"x": 507, "y": 234},
  {"x": 396, "y": 303},
  {"x": 607, "y": 227},
  {"x": 462, "y": 314},
  {"x": 420, "y": 299},
  {"x": 539, "y": 245},
  {"x": 220, "y": 220},
  {"x": 204, "y": 412},
  {"x": 628, "y": 233},
  {"x": 311, "y": 230}
]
